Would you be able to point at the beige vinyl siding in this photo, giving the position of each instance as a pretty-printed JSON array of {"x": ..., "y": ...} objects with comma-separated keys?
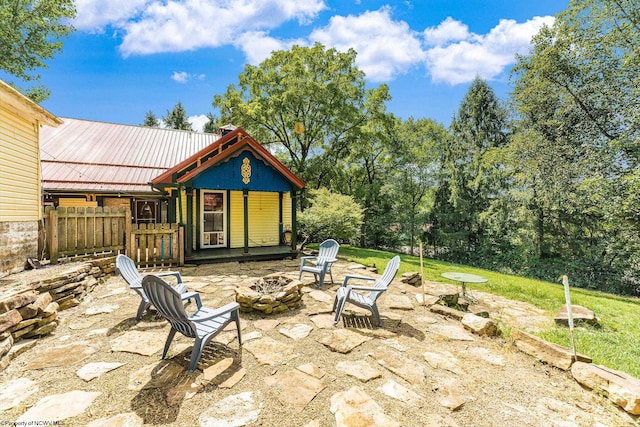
[
  {"x": 77, "y": 203},
  {"x": 116, "y": 201},
  {"x": 263, "y": 219},
  {"x": 181, "y": 209},
  {"x": 286, "y": 211},
  {"x": 19, "y": 168},
  {"x": 236, "y": 219}
]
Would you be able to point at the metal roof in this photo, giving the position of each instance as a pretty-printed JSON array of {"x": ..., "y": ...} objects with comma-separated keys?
[{"x": 106, "y": 157}]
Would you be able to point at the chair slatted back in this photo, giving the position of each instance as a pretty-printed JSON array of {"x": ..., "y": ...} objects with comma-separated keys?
[
  {"x": 128, "y": 270},
  {"x": 168, "y": 302},
  {"x": 328, "y": 250},
  {"x": 383, "y": 282}
]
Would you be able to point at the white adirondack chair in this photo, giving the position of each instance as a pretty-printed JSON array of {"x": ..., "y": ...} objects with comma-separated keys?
[{"x": 365, "y": 296}]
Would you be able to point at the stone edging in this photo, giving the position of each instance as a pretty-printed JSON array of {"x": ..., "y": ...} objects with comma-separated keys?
[
  {"x": 29, "y": 305},
  {"x": 619, "y": 387}
]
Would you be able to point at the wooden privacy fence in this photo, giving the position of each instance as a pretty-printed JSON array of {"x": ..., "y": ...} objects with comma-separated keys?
[
  {"x": 77, "y": 231},
  {"x": 156, "y": 244},
  {"x": 74, "y": 231}
]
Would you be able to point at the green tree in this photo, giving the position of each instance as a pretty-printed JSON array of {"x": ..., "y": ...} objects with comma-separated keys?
[
  {"x": 30, "y": 33},
  {"x": 416, "y": 173},
  {"x": 177, "y": 118},
  {"x": 472, "y": 178},
  {"x": 212, "y": 125},
  {"x": 330, "y": 215},
  {"x": 150, "y": 120},
  {"x": 576, "y": 155},
  {"x": 311, "y": 101},
  {"x": 362, "y": 174}
]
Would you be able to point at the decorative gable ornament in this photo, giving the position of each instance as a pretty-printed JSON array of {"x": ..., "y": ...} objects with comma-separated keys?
[{"x": 245, "y": 170}]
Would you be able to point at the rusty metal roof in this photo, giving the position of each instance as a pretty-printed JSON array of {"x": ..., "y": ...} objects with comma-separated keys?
[{"x": 85, "y": 155}]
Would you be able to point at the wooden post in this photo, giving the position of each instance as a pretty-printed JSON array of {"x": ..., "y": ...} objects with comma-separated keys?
[
  {"x": 294, "y": 222},
  {"x": 189, "y": 234},
  {"x": 53, "y": 236},
  {"x": 71, "y": 221},
  {"x": 245, "y": 196},
  {"x": 131, "y": 246},
  {"x": 567, "y": 297},
  {"x": 91, "y": 227},
  {"x": 422, "y": 276},
  {"x": 127, "y": 232},
  {"x": 81, "y": 225},
  {"x": 180, "y": 244},
  {"x": 280, "y": 218}
]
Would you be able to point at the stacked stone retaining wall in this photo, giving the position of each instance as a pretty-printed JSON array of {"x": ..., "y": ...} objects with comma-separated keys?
[{"x": 30, "y": 301}]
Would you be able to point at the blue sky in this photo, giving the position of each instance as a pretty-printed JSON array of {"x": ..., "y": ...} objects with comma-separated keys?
[{"x": 128, "y": 57}]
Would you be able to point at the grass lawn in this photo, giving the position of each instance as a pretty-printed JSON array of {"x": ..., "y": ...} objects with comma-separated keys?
[{"x": 615, "y": 343}]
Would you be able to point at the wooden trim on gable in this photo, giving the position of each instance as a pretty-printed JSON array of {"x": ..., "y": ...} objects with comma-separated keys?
[
  {"x": 20, "y": 103},
  {"x": 218, "y": 152}
]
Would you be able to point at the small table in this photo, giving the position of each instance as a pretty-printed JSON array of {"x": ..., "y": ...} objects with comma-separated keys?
[{"x": 464, "y": 278}]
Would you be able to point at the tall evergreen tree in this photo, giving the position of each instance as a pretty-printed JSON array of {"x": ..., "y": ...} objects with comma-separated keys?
[
  {"x": 177, "y": 118},
  {"x": 473, "y": 178},
  {"x": 150, "y": 120},
  {"x": 212, "y": 125}
]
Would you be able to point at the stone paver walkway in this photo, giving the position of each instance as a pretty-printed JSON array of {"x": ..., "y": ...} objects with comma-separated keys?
[{"x": 101, "y": 368}]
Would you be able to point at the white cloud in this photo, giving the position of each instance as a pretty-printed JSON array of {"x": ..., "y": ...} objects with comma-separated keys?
[
  {"x": 448, "y": 30},
  {"x": 180, "y": 76},
  {"x": 456, "y": 58},
  {"x": 181, "y": 25},
  {"x": 95, "y": 15},
  {"x": 258, "y": 45},
  {"x": 385, "y": 47},
  {"x": 198, "y": 122},
  {"x": 184, "y": 77}
]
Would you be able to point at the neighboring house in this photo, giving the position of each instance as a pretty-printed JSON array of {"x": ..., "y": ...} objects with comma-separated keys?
[
  {"x": 20, "y": 192},
  {"x": 233, "y": 197}
]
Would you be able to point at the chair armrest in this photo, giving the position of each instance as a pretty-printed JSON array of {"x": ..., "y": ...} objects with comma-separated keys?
[
  {"x": 176, "y": 274},
  {"x": 304, "y": 259},
  {"x": 212, "y": 313},
  {"x": 194, "y": 295},
  {"x": 354, "y": 276},
  {"x": 363, "y": 288}
]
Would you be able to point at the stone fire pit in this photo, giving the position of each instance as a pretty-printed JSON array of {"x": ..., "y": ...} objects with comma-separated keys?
[{"x": 274, "y": 293}]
